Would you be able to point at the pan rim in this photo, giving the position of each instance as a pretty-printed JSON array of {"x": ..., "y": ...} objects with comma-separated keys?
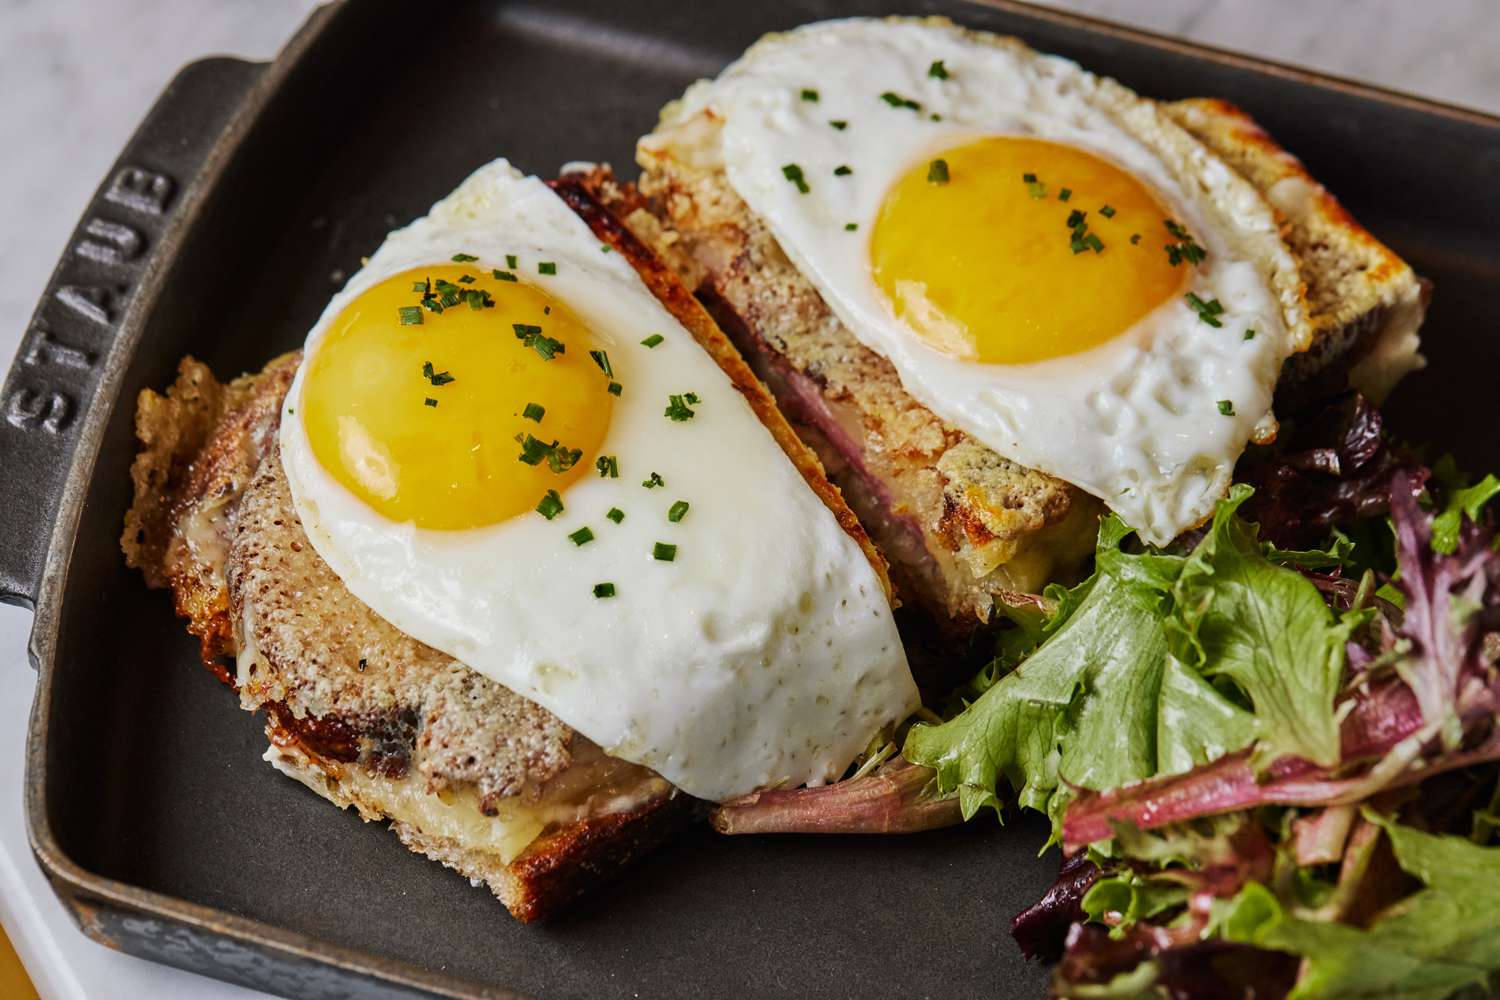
[{"x": 76, "y": 884}]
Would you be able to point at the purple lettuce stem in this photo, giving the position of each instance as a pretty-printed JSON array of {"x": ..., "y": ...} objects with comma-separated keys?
[{"x": 900, "y": 798}]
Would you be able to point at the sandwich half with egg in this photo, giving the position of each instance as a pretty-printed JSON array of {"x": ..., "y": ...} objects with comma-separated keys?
[
  {"x": 998, "y": 293},
  {"x": 516, "y": 553}
]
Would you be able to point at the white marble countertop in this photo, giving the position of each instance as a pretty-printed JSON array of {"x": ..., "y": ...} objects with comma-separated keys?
[{"x": 78, "y": 75}]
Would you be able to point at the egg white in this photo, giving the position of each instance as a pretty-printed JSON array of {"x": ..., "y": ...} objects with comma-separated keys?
[
  {"x": 1136, "y": 421},
  {"x": 765, "y": 653}
]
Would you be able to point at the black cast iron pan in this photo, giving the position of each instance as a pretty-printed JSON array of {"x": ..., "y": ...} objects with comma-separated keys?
[{"x": 247, "y": 195}]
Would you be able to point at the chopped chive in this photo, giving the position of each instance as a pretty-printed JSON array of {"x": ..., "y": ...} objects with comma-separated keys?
[
  {"x": 843, "y": 170},
  {"x": 1064, "y": 194},
  {"x": 1029, "y": 178},
  {"x": 464, "y": 258},
  {"x": 938, "y": 71},
  {"x": 663, "y": 552},
  {"x": 559, "y": 458},
  {"x": 608, "y": 466},
  {"x": 615, "y": 514},
  {"x": 1226, "y": 407},
  {"x": 895, "y": 100},
  {"x": 1250, "y": 334},
  {"x": 808, "y": 94},
  {"x": 582, "y": 536},
  {"x": 850, "y": 227},
  {"x": 677, "y": 511},
  {"x": 653, "y": 340},
  {"x": 423, "y": 286},
  {"x": 533, "y": 412},
  {"x": 602, "y": 590},
  {"x": 502, "y": 275},
  {"x": 1135, "y": 238},
  {"x": 935, "y": 117},
  {"x": 653, "y": 481},
  {"x": 839, "y": 124},
  {"x": 1036, "y": 189},
  {"x": 793, "y": 173},
  {"x": 410, "y": 315},
  {"x": 937, "y": 172},
  {"x": 512, "y": 261},
  {"x": 601, "y": 358},
  {"x": 466, "y": 279},
  {"x": 1185, "y": 250},
  {"x": 429, "y": 401},
  {"x": 1108, "y": 211},
  {"x": 605, "y": 248},
  {"x": 546, "y": 267},
  {"x": 679, "y": 406},
  {"x": 550, "y": 505},
  {"x": 1208, "y": 312},
  {"x": 436, "y": 378},
  {"x": 531, "y": 336},
  {"x": 1075, "y": 217},
  {"x": 613, "y": 388},
  {"x": 1095, "y": 244}
]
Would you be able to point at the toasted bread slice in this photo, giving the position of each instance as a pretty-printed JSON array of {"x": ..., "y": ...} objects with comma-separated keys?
[
  {"x": 964, "y": 528},
  {"x": 467, "y": 772}
]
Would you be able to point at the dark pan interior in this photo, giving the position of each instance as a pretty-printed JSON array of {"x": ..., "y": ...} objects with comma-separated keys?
[{"x": 154, "y": 776}]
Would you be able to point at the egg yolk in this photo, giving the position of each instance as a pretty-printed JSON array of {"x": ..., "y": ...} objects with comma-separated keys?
[
  {"x": 985, "y": 251},
  {"x": 420, "y": 420}
]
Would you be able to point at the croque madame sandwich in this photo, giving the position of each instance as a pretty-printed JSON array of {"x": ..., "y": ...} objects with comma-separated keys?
[
  {"x": 516, "y": 553},
  {"x": 992, "y": 290}
]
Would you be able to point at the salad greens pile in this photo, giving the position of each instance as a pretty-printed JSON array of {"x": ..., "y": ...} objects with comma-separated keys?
[{"x": 1269, "y": 751}]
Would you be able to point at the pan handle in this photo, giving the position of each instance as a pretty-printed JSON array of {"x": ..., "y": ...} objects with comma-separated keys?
[{"x": 71, "y": 354}]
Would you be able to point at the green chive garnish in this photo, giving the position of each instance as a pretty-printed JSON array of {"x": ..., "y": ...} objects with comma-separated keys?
[
  {"x": 502, "y": 275},
  {"x": 1064, "y": 194},
  {"x": 533, "y": 412},
  {"x": 1250, "y": 334},
  {"x": 531, "y": 336},
  {"x": 546, "y": 267},
  {"x": 1108, "y": 211},
  {"x": 679, "y": 407},
  {"x": 512, "y": 261},
  {"x": 582, "y": 536},
  {"x": 653, "y": 481},
  {"x": 410, "y": 315},
  {"x": 613, "y": 388},
  {"x": 602, "y": 590},
  {"x": 843, "y": 170},
  {"x": 663, "y": 552},
  {"x": 839, "y": 124},
  {"x": 436, "y": 378},
  {"x": 895, "y": 100},
  {"x": 463, "y": 258},
  {"x": 615, "y": 514},
  {"x": 601, "y": 358},
  {"x": 808, "y": 94},
  {"x": 550, "y": 505},
  {"x": 1226, "y": 407},
  {"x": 653, "y": 340},
  {"x": 850, "y": 227},
  {"x": 938, "y": 71},
  {"x": 429, "y": 401},
  {"x": 608, "y": 466},
  {"x": 793, "y": 173},
  {"x": 937, "y": 172},
  {"x": 1208, "y": 312},
  {"x": 677, "y": 511}
]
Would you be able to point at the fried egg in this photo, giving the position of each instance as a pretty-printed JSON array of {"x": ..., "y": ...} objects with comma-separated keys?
[
  {"x": 509, "y": 449},
  {"x": 1049, "y": 264}
]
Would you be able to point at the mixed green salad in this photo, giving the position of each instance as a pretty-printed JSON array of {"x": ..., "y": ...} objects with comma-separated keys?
[{"x": 1268, "y": 752}]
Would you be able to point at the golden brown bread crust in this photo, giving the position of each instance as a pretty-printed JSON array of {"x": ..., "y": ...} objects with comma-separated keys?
[
  {"x": 200, "y": 442},
  {"x": 307, "y": 644},
  {"x": 1364, "y": 302},
  {"x": 579, "y": 193},
  {"x": 980, "y": 514}
]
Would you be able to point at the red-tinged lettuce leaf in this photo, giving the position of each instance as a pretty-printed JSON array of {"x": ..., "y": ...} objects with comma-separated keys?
[
  {"x": 1149, "y": 964},
  {"x": 1042, "y": 928},
  {"x": 898, "y": 798},
  {"x": 1436, "y": 942}
]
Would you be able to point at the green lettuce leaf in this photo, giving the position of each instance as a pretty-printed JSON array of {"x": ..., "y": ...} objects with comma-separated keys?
[
  {"x": 1153, "y": 665},
  {"x": 1087, "y": 705},
  {"x": 1442, "y": 939},
  {"x": 1239, "y": 615},
  {"x": 1459, "y": 503}
]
